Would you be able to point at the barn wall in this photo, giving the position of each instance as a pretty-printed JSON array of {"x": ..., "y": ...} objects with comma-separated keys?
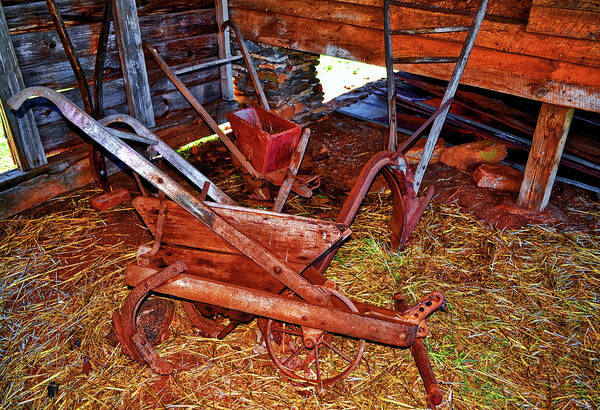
[
  {"x": 515, "y": 52},
  {"x": 184, "y": 33}
]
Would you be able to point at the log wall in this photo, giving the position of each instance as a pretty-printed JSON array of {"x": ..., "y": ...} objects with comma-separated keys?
[
  {"x": 514, "y": 54},
  {"x": 184, "y": 32}
]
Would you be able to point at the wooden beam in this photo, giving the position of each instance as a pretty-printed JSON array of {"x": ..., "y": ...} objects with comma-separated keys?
[
  {"x": 564, "y": 22},
  {"x": 550, "y": 81},
  {"x": 222, "y": 13},
  {"x": 546, "y": 149},
  {"x": 21, "y": 131},
  {"x": 503, "y": 35},
  {"x": 129, "y": 41}
]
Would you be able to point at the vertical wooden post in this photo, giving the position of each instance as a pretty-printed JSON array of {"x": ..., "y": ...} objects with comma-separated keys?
[
  {"x": 546, "y": 149},
  {"x": 22, "y": 133},
  {"x": 222, "y": 11},
  {"x": 133, "y": 65}
]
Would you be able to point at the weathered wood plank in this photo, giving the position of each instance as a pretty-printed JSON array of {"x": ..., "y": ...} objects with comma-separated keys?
[
  {"x": 506, "y": 9},
  {"x": 546, "y": 149},
  {"x": 58, "y": 135},
  {"x": 564, "y": 22},
  {"x": 589, "y": 5},
  {"x": 26, "y": 16},
  {"x": 44, "y": 46},
  {"x": 21, "y": 130},
  {"x": 223, "y": 39},
  {"x": 225, "y": 267},
  {"x": 129, "y": 41},
  {"x": 289, "y": 238},
  {"x": 530, "y": 77},
  {"x": 76, "y": 173},
  {"x": 180, "y": 53},
  {"x": 503, "y": 35}
]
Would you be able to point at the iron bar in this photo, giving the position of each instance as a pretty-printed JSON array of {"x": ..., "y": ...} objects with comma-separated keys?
[{"x": 436, "y": 128}]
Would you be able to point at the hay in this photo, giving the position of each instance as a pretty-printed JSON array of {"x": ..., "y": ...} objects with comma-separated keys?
[{"x": 520, "y": 328}]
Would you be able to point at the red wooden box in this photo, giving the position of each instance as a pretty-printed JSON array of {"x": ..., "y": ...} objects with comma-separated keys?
[{"x": 266, "y": 140}]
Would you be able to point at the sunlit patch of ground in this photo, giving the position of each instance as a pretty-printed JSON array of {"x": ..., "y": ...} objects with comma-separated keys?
[{"x": 339, "y": 76}]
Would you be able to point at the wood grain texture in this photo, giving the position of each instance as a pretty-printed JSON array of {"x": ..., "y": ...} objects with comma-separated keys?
[
  {"x": 21, "y": 130},
  {"x": 565, "y": 22},
  {"x": 225, "y": 267},
  {"x": 77, "y": 173},
  {"x": 27, "y": 16},
  {"x": 133, "y": 65},
  {"x": 546, "y": 149},
  {"x": 289, "y": 238},
  {"x": 589, "y": 5},
  {"x": 507, "y": 36},
  {"x": 505, "y": 9},
  {"x": 536, "y": 78},
  {"x": 223, "y": 39}
]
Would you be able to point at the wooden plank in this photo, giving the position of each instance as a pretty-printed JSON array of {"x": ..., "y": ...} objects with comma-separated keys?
[
  {"x": 129, "y": 41},
  {"x": 21, "y": 130},
  {"x": 223, "y": 39},
  {"x": 505, "y": 9},
  {"x": 184, "y": 126},
  {"x": 76, "y": 173},
  {"x": 27, "y": 16},
  {"x": 589, "y": 5},
  {"x": 289, "y": 238},
  {"x": 530, "y": 77},
  {"x": 546, "y": 149},
  {"x": 225, "y": 267},
  {"x": 59, "y": 135},
  {"x": 44, "y": 46},
  {"x": 564, "y": 22},
  {"x": 502, "y": 35},
  {"x": 180, "y": 53}
]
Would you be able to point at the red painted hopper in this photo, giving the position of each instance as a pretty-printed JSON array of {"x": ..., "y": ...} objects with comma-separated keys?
[{"x": 265, "y": 139}]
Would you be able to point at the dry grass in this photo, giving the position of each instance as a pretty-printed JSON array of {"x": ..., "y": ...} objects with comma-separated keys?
[{"x": 520, "y": 330}]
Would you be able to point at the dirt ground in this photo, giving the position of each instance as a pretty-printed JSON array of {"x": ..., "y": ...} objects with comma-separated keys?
[{"x": 338, "y": 149}]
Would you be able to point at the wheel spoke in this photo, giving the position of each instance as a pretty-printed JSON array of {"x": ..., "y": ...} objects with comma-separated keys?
[
  {"x": 293, "y": 356},
  {"x": 318, "y": 367},
  {"x": 338, "y": 351}
]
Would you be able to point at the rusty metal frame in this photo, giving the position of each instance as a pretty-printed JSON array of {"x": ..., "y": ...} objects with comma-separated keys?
[
  {"x": 97, "y": 161},
  {"x": 311, "y": 305}
]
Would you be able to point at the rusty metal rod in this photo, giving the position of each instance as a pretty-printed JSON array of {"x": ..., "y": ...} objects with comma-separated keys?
[
  {"x": 248, "y": 60},
  {"x": 169, "y": 154},
  {"x": 292, "y": 171},
  {"x": 100, "y": 57},
  {"x": 391, "y": 90},
  {"x": 406, "y": 144},
  {"x": 419, "y": 354},
  {"x": 97, "y": 162},
  {"x": 436, "y": 128},
  {"x": 65, "y": 40},
  {"x": 202, "y": 111},
  {"x": 207, "y": 64},
  {"x": 285, "y": 309},
  {"x": 261, "y": 256}
]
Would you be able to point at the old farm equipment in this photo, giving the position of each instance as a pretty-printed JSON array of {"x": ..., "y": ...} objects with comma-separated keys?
[
  {"x": 240, "y": 263},
  {"x": 268, "y": 147}
]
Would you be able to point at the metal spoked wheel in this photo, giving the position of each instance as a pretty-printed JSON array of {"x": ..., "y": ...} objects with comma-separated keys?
[{"x": 332, "y": 357}]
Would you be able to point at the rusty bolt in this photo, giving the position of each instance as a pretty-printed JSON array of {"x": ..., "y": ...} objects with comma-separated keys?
[
  {"x": 277, "y": 270},
  {"x": 309, "y": 342},
  {"x": 372, "y": 329}
]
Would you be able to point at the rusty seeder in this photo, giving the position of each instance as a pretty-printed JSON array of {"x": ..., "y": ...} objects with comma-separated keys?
[{"x": 241, "y": 263}]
